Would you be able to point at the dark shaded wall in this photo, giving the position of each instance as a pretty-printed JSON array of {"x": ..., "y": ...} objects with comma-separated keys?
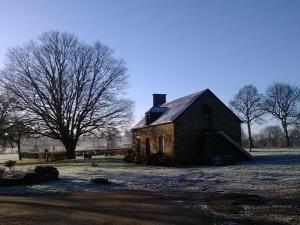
[{"x": 205, "y": 115}]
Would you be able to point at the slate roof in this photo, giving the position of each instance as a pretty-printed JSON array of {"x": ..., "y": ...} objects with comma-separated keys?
[{"x": 172, "y": 110}]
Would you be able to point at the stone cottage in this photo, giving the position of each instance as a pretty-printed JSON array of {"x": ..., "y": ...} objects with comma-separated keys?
[{"x": 195, "y": 129}]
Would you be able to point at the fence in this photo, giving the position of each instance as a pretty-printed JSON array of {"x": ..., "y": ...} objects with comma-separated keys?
[
  {"x": 110, "y": 151},
  {"x": 61, "y": 155}
]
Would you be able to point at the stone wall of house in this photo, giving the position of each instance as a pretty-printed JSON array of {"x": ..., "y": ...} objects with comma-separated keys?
[
  {"x": 189, "y": 128},
  {"x": 166, "y": 131}
]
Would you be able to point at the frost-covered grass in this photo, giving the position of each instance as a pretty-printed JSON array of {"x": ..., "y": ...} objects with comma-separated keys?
[
  {"x": 266, "y": 188},
  {"x": 269, "y": 170},
  {"x": 5, "y": 157}
]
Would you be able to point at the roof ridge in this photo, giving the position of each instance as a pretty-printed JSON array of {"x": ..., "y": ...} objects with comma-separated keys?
[
  {"x": 174, "y": 108},
  {"x": 196, "y": 93}
]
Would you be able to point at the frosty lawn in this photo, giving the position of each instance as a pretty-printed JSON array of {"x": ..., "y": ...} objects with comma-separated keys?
[
  {"x": 268, "y": 170},
  {"x": 263, "y": 191}
]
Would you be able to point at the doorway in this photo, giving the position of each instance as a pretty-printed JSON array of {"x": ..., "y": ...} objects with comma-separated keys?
[
  {"x": 161, "y": 144},
  {"x": 147, "y": 147}
]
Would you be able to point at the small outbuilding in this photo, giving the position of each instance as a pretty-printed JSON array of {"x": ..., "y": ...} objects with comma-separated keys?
[{"x": 195, "y": 129}]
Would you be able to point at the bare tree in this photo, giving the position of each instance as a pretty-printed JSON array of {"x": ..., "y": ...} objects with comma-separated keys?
[
  {"x": 297, "y": 123},
  {"x": 14, "y": 125},
  {"x": 295, "y": 137},
  {"x": 247, "y": 104},
  {"x": 244, "y": 138},
  {"x": 272, "y": 135},
  {"x": 282, "y": 101},
  {"x": 127, "y": 138},
  {"x": 113, "y": 136},
  {"x": 18, "y": 128},
  {"x": 5, "y": 104},
  {"x": 68, "y": 87}
]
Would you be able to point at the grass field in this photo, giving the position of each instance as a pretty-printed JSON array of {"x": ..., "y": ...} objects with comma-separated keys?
[{"x": 264, "y": 189}]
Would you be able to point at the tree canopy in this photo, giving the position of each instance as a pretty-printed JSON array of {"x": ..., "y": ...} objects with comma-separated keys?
[
  {"x": 282, "y": 101},
  {"x": 247, "y": 104},
  {"x": 67, "y": 87}
]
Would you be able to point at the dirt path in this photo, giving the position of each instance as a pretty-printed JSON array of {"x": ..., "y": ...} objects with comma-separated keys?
[
  {"x": 118, "y": 207},
  {"x": 106, "y": 207}
]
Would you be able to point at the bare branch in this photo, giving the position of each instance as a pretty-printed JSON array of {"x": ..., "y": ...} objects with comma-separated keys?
[
  {"x": 69, "y": 87},
  {"x": 247, "y": 103},
  {"x": 282, "y": 101}
]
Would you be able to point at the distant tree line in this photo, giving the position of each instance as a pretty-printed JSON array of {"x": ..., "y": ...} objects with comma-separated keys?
[{"x": 281, "y": 101}]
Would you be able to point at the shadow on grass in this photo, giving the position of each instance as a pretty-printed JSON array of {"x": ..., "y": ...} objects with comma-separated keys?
[
  {"x": 60, "y": 186},
  {"x": 108, "y": 207},
  {"x": 275, "y": 159}
]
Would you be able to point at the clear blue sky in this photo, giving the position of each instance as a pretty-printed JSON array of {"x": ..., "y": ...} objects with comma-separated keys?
[{"x": 174, "y": 46}]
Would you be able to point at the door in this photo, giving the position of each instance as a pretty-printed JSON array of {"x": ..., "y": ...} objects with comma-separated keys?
[
  {"x": 139, "y": 148},
  {"x": 147, "y": 147},
  {"x": 161, "y": 144}
]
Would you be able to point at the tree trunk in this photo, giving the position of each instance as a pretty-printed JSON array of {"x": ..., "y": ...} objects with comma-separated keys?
[
  {"x": 249, "y": 136},
  {"x": 70, "y": 146},
  {"x": 19, "y": 148},
  {"x": 286, "y": 134}
]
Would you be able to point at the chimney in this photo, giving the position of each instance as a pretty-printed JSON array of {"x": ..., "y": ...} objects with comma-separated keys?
[{"x": 158, "y": 99}]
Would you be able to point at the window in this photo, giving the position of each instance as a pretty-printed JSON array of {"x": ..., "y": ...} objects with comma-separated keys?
[
  {"x": 139, "y": 147},
  {"x": 161, "y": 144}
]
